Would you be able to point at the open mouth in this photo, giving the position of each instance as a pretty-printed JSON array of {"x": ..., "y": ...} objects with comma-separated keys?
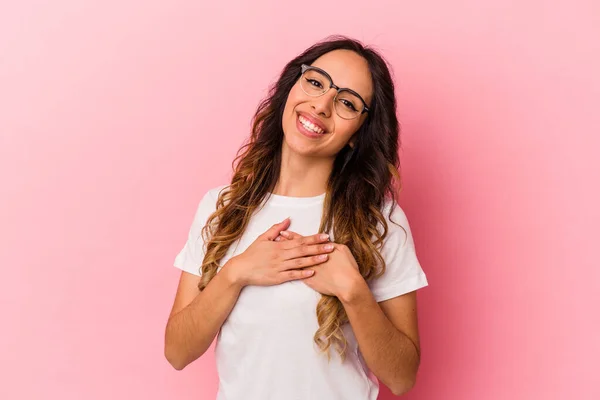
[{"x": 308, "y": 127}]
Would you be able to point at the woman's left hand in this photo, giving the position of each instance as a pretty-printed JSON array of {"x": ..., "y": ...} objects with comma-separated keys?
[{"x": 334, "y": 277}]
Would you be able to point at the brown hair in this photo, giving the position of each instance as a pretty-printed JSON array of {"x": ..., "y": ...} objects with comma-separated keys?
[{"x": 361, "y": 180}]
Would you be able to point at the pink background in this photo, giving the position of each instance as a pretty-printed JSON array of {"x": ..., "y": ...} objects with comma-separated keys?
[{"x": 116, "y": 116}]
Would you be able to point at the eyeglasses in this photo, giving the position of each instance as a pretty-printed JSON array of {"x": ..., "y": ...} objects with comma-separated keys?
[{"x": 347, "y": 103}]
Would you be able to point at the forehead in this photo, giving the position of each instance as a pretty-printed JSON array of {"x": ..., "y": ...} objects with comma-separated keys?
[{"x": 347, "y": 70}]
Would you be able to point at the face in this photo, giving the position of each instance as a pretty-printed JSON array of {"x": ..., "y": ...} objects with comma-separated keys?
[{"x": 347, "y": 70}]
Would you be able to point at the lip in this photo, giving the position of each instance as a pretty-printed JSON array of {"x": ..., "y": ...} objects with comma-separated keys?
[
  {"x": 306, "y": 132},
  {"x": 315, "y": 121}
]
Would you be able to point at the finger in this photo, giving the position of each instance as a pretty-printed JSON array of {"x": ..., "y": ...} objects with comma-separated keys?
[
  {"x": 290, "y": 234},
  {"x": 305, "y": 250},
  {"x": 273, "y": 231},
  {"x": 299, "y": 240},
  {"x": 280, "y": 238},
  {"x": 303, "y": 262},
  {"x": 292, "y": 275}
]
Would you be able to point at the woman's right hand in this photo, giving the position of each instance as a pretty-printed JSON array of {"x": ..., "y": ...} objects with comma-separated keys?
[{"x": 268, "y": 262}]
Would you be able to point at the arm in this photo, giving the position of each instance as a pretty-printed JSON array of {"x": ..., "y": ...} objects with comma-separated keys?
[
  {"x": 196, "y": 317},
  {"x": 387, "y": 334}
]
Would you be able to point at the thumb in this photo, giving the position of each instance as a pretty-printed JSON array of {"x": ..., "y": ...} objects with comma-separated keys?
[{"x": 273, "y": 231}]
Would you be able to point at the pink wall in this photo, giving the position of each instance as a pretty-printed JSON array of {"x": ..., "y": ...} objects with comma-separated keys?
[{"x": 116, "y": 116}]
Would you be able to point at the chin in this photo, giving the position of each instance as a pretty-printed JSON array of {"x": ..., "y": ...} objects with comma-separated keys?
[{"x": 297, "y": 144}]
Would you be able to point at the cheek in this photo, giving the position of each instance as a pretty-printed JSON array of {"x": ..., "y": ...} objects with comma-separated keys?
[
  {"x": 294, "y": 98},
  {"x": 344, "y": 129}
]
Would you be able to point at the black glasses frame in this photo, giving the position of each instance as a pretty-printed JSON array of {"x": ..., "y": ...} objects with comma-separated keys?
[{"x": 332, "y": 85}]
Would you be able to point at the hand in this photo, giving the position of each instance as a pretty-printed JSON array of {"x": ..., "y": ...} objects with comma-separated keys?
[
  {"x": 335, "y": 277},
  {"x": 268, "y": 262}
]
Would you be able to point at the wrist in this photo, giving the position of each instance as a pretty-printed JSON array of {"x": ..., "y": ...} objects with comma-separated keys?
[
  {"x": 355, "y": 289},
  {"x": 230, "y": 272}
]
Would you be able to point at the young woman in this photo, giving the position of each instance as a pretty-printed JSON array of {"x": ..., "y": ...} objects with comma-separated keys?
[{"x": 321, "y": 304}]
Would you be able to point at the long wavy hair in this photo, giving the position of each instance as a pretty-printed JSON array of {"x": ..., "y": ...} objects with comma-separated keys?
[{"x": 361, "y": 180}]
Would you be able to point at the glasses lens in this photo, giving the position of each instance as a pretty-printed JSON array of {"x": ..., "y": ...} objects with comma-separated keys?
[
  {"x": 314, "y": 83},
  {"x": 348, "y": 105}
]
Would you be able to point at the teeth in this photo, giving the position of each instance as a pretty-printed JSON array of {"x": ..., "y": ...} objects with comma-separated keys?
[{"x": 309, "y": 125}]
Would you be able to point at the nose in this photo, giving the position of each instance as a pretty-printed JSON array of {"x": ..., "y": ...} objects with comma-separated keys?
[{"x": 323, "y": 104}]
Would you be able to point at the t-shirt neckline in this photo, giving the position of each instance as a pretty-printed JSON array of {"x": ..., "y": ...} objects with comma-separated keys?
[{"x": 277, "y": 199}]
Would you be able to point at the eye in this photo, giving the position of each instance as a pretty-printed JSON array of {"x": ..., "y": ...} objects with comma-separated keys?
[
  {"x": 315, "y": 83},
  {"x": 348, "y": 104}
]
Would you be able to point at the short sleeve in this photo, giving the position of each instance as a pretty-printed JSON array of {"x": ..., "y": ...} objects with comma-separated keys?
[
  {"x": 190, "y": 258},
  {"x": 403, "y": 273}
]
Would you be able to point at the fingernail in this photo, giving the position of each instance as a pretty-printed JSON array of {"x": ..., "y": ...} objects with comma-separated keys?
[
  {"x": 324, "y": 236},
  {"x": 322, "y": 257},
  {"x": 308, "y": 272},
  {"x": 284, "y": 233},
  {"x": 328, "y": 246}
]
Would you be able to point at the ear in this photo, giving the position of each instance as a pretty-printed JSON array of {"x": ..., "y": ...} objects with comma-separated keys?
[{"x": 351, "y": 144}]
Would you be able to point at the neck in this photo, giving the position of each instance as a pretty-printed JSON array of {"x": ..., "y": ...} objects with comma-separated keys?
[{"x": 302, "y": 176}]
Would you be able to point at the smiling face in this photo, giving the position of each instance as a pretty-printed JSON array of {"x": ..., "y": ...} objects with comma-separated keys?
[{"x": 347, "y": 70}]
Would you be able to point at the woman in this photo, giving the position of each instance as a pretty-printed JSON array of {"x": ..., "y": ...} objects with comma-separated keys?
[{"x": 299, "y": 314}]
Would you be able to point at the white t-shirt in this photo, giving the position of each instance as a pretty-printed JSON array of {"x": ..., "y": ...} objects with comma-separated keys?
[{"x": 265, "y": 348}]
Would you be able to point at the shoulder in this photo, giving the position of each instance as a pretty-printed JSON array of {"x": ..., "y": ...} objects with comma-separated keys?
[
  {"x": 402, "y": 272},
  {"x": 213, "y": 193},
  {"x": 397, "y": 213},
  {"x": 396, "y": 219},
  {"x": 208, "y": 203}
]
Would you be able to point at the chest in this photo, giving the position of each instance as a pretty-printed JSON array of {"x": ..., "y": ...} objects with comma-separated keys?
[{"x": 290, "y": 304}]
